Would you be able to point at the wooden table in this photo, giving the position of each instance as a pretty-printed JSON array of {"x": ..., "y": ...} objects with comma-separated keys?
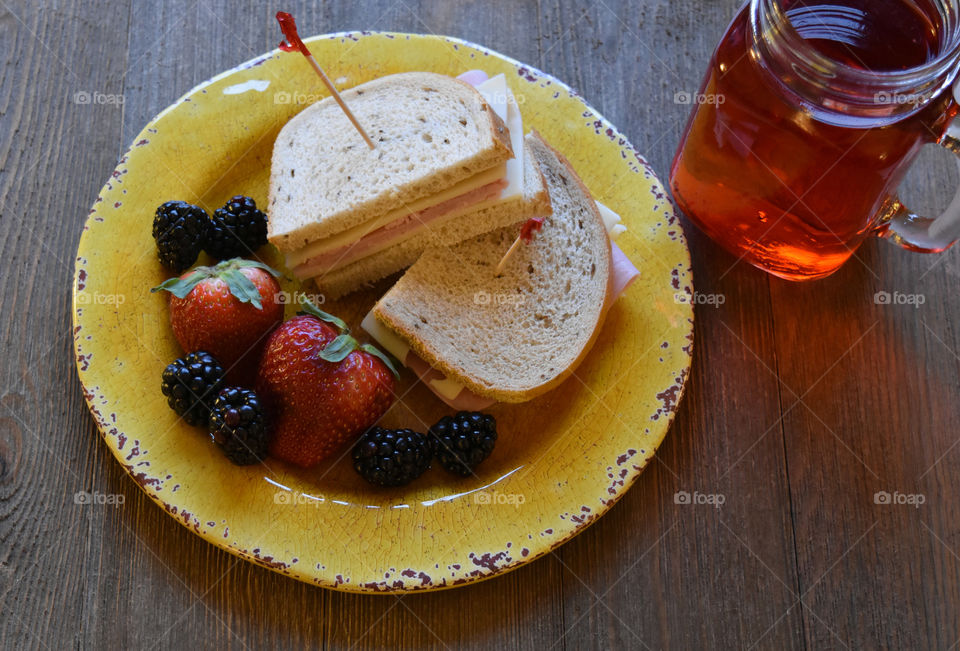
[{"x": 806, "y": 400}]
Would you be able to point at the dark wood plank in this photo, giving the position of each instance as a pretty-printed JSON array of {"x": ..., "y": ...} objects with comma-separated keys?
[
  {"x": 876, "y": 415},
  {"x": 56, "y": 141}
]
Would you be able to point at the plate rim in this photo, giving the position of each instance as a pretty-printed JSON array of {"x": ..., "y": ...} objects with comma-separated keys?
[{"x": 316, "y": 578}]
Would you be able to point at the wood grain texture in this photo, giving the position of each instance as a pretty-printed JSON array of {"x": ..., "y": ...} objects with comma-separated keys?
[{"x": 805, "y": 400}]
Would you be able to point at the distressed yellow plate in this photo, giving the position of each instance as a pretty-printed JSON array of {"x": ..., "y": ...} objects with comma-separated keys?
[{"x": 561, "y": 461}]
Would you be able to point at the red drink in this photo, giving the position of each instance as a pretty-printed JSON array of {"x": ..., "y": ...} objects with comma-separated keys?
[{"x": 790, "y": 168}]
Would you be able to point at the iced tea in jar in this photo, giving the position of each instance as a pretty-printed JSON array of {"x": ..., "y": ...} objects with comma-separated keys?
[{"x": 807, "y": 121}]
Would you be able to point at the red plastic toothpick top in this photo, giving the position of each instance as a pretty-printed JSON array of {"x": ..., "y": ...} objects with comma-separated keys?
[
  {"x": 527, "y": 231},
  {"x": 292, "y": 43},
  {"x": 530, "y": 227}
]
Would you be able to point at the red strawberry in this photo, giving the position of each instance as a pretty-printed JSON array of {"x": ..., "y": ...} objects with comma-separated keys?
[
  {"x": 322, "y": 388},
  {"x": 227, "y": 310}
]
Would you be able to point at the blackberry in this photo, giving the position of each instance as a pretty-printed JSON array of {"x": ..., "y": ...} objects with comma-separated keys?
[
  {"x": 238, "y": 425},
  {"x": 237, "y": 229},
  {"x": 391, "y": 457},
  {"x": 191, "y": 384},
  {"x": 180, "y": 230},
  {"x": 462, "y": 441}
]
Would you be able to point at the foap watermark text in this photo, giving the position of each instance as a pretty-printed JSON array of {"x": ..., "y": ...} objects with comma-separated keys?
[
  {"x": 296, "y": 97},
  {"x": 515, "y": 500},
  {"x": 96, "y": 298},
  {"x": 296, "y": 499},
  {"x": 899, "y": 298},
  {"x": 504, "y": 298},
  {"x": 696, "y": 498},
  {"x": 84, "y": 498},
  {"x": 298, "y": 297},
  {"x": 902, "y": 99},
  {"x": 96, "y": 98},
  {"x": 712, "y": 300},
  {"x": 685, "y": 97},
  {"x": 896, "y": 498}
]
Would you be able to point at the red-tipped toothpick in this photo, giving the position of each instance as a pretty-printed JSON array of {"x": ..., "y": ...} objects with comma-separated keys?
[
  {"x": 292, "y": 43},
  {"x": 530, "y": 227}
]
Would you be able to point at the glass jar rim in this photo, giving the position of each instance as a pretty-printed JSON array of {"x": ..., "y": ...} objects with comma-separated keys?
[{"x": 946, "y": 61}]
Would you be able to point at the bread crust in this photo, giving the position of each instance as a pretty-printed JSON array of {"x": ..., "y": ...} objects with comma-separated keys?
[{"x": 496, "y": 393}]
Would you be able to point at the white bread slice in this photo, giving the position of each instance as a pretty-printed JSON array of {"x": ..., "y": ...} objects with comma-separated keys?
[
  {"x": 513, "y": 337},
  {"x": 430, "y": 131},
  {"x": 533, "y": 202}
]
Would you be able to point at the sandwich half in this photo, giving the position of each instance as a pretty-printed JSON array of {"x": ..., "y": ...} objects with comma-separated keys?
[
  {"x": 511, "y": 337},
  {"x": 446, "y": 167}
]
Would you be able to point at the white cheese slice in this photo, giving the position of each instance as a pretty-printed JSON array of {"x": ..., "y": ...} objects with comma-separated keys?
[
  {"x": 351, "y": 235},
  {"x": 612, "y": 221},
  {"x": 399, "y": 349},
  {"x": 385, "y": 337},
  {"x": 504, "y": 104},
  {"x": 494, "y": 91},
  {"x": 447, "y": 388}
]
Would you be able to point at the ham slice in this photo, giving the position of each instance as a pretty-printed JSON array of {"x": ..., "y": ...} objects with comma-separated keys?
[
  {"x": 474, "y": 77},
  {"x": 466, "y": 400},
  {"x": 393, "y": 232},
  {"x": 624, "y": 273}
]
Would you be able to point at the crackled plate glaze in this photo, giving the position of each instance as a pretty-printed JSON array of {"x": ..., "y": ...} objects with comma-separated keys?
[{"x": 562, "y": 460}]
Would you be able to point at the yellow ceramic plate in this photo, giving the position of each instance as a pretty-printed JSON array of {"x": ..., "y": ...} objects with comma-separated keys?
[{"x": 561, "y": 460}]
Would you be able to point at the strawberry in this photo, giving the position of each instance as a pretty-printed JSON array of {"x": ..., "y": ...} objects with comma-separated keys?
[
  {"x": 227, "y": 310},
  {"x": 322, "y": 388}
]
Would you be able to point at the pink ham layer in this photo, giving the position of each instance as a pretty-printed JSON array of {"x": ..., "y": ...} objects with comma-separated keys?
[
  {"x": 394, "y": 231},
  {"x": 624, "y": 273},
  {"x": 474, "y": 77}
]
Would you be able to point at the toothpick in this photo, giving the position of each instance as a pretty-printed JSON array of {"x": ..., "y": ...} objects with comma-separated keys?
[
  {"x": 292, "y": 42},
  {"x": 506, "y": 256},
  {"x": 531, "y": 226}
]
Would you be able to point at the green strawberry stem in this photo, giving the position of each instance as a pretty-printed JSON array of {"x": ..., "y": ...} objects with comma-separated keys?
[
  {"x": 382, "y": 356},
  {"x": 341, "y": 347},
  {"x": 344, "y": 344},
  {"x": 338, "y": 349},
  {"x": 241, "y": 287},
  {"x": 313, "y": 310}
]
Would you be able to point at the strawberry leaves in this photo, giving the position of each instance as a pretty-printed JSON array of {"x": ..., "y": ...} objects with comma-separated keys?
[
  {"x": 256, "y": 264},
  {"x": 382, "y": 356},
  {"x": 180, "y": 287},
  {"x": 241, "y": 287},
  {"x": 340, "y": 347},
  {"x": 313, "y": 310}
]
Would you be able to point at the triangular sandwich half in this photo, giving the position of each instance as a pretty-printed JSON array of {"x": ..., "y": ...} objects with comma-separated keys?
[
  {"x": 444, "y": 168},
  {"x": 514, "y": 336}
]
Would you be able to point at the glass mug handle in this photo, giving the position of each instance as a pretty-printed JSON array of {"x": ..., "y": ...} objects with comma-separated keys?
[{"x": 923, "y": 234}]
